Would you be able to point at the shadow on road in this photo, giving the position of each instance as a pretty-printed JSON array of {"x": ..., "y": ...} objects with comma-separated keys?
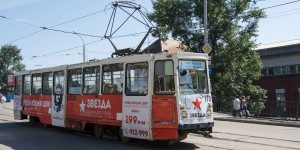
[{"x": 22, "y": 135}]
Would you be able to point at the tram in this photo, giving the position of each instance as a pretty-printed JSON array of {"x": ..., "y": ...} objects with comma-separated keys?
[{"x": 161, "y": 96}]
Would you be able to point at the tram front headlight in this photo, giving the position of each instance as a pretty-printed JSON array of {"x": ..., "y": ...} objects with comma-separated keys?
[
  {"x": 209, "y": 111},
  {"x": 184, "y": 113}
]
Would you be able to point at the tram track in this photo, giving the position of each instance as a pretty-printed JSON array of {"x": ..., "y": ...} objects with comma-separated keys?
[
  {"x": 195, "y": 141},
  {"x": 243, "y": 140},
  {"x": 251, "y": 136}
]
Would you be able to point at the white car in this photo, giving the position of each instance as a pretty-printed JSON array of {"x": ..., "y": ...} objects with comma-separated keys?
[{"x": 3, "y": 99}]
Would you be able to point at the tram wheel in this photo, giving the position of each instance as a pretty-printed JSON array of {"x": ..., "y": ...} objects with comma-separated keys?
[
  {"x": 45, "y": 125},
  {"x": 31, "y": 120},
  {"x": 98, "y": 130},
  {"x": 123, "y": 138},
  {"x": 34, "y": 120}
]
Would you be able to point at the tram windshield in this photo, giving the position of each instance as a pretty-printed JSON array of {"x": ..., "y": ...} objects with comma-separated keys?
[{"x": 193, "y": 77}]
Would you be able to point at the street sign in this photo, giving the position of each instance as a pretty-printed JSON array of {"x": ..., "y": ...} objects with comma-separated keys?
[{"x": 206, "y": 48}]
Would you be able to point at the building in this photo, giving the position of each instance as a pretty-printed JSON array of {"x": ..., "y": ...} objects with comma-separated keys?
[{"x": 281, "y": 73}]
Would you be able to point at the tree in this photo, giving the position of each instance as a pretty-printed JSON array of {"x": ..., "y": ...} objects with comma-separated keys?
[
  {"x": 10, "y": 62},
  {"x": 232, "y": 28}
]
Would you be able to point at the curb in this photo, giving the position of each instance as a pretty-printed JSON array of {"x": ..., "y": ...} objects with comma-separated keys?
[{"x": 297, "y": 125}]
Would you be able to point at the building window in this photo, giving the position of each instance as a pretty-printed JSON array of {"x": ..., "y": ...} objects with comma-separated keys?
[
  {"x": 292, "y": 69},
  {"x": 270, "y": 71},
  {"x": 285, "y": 70},
  {"x": 277, "y": 71},
  {"x": 264, "y": 72},
  {"x": 298, "y": 68}
]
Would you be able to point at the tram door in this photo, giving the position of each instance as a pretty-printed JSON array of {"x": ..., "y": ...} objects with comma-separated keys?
[
  {"x": 58, "y": 100},
  {"x": 136, "y": 108},
  {"x": 18, "y": 98},
  {"x": 164, "y": 101}
]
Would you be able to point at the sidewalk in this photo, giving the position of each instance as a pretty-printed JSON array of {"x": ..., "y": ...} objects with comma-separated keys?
[
  {"x": 6, "y": 113},
  {"x": 276, "y": 122}
]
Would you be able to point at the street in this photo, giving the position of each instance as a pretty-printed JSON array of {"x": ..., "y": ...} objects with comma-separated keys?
[
  {"x": 235, "y": 135},
  {"x": 20, "y": 135}
]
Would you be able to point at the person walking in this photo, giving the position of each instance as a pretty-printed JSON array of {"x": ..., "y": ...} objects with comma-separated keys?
[
  {"x": 236, "y": 106},
  {"x": 244, "y": 107}
]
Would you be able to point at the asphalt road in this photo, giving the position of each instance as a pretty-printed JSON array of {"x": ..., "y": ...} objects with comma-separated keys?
[{"x": 19, "y": 135}]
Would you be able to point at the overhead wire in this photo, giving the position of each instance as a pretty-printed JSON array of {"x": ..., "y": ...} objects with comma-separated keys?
[
  {"x": 68, "y": 32},
  {"x": 48, "y": 54},
  {"x": 48, "y": 28},
  {"x": 279, "y": 13},
  {"x": 62, "y": 31},
  {"x": 276, "y": 16},
  {"x": 17, "y": 20},
  {"x": 281, "y": 4}
]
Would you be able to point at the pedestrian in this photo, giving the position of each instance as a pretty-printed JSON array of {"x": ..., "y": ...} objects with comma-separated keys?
[
  {"x": 236, "y": 106},
  {"x": 244, "y": 107}
]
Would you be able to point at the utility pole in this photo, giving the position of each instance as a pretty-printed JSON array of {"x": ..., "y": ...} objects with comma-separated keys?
[
  {"x": 83, "y": 46},
  {"x": 206, "y": 48},
  {"x": 205, "y": 22}
]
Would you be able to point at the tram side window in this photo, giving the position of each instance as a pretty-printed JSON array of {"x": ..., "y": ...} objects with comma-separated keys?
[
  {"x": 74, "y": 81},
  {"x": 91, "y": 80},
  {"x": 59, "y": 82},
  {"x": 112, "y": 79},
  {"x": 18, "y": 85},
  {"x": 164, "y": 77},
  {"x": 47, "y": 83},
  {"x": 26, "y": 88},
  {"x": 137, "y": 79},
  {"x": 36, "y": 84}
]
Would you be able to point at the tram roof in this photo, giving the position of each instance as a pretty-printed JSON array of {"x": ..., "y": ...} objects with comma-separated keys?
[{"x": 124, "y": 59}]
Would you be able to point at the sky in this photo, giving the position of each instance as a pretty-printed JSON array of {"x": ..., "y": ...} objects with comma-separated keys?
[{"x": 48, "y": 48}]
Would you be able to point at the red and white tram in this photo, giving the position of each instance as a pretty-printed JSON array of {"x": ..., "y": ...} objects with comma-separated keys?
[{"x": 150, "y": 96}]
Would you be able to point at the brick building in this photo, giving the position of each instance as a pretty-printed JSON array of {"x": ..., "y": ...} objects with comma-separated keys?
[{"x": 281, "y": 73}]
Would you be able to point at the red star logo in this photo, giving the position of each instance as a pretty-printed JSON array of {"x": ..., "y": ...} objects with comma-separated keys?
[{"x": 197, "y": 103}]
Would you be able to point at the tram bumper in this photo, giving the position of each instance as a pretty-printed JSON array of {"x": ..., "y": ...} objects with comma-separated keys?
[{"x": 196, "y": 127}]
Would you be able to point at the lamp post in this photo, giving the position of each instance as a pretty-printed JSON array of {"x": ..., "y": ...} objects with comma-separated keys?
[{"x": 83, "y": 46}]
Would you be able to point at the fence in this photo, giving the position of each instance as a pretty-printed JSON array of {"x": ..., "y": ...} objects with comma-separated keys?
[{"x": 287, "y": 110}]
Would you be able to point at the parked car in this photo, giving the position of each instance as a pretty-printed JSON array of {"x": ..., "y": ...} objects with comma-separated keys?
[{"x": 2, "y": 98}]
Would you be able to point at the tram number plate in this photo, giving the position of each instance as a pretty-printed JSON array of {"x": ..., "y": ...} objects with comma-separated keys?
[{"x": 138, "y": 132}]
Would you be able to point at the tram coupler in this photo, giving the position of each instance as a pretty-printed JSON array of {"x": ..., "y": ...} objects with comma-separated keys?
[{"x": 206, "y": 134}]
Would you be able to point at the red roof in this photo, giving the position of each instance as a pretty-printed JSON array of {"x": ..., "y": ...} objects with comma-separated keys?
[{"x": 171, "y": 46}]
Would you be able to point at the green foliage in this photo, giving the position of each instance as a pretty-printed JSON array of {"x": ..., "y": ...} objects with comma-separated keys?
[
  {"x": 10, "y": 61},
  {"x": 257, "y": 107},
  {"x": 232, "y": 28}
]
